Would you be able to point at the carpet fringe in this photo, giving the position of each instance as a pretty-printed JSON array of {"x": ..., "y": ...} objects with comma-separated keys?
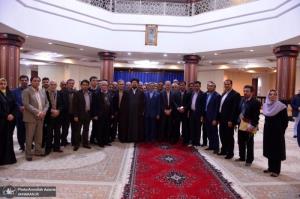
[{"x": 219, "y": 174}]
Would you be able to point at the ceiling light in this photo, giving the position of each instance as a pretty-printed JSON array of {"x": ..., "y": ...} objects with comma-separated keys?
[
  {"x": 234, "y": 61},
  {"x": 50, "y": 43},
  {"x": 275, "y": 71},
  {"x": 129, "y": 54},
  {"x": 146, "y": 63},
  {"x": 223, "y": 67},
  {"x": 68, "y": 61},
  {"x": 48, "y": 55},
  {"x": 216, "y": 54},
  {"x": 251, "y": 50},
  {"x": 81, "y": 49},
  {"x": 117, "y": 65},
  {"x": 251, "y": 71},
  {"x": 299, "y": 43},
  {"x": 26, "y": 36},
  {"x": 165, "y": 55},
  {"x": 21, "y": 48},
  {"x": 178, "y": 62},
  {"x": 210, "y": 61}
]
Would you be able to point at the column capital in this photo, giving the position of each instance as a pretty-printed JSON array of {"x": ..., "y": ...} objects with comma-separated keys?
[
  {"x": 191, "y": 59},
  {"x": 11, "y": 39},
  {"x": 107, "y": 55},
  {"x": 286, "y": 51}
]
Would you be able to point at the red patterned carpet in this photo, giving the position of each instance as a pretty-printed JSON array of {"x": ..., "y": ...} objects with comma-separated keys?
[{"x": 174, "y": 171}]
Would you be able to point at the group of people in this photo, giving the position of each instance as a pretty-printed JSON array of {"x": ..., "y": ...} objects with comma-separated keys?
[{"x": 136, "y": 112}]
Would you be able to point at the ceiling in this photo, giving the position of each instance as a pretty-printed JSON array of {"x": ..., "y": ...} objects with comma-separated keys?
[{"x": 66, "y": 53}]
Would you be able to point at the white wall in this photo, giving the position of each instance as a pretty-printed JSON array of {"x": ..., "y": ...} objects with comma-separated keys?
[
  {"x": 267, "y": 82},
  {"x": 247, "y": 25},
  {"x": 217, "y": 76}
]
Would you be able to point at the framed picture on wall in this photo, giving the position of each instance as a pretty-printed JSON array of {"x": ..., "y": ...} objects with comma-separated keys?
[{"x": 151, "y": 35}]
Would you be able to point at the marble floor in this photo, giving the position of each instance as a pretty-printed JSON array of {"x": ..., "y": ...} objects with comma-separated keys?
[{"x": 103, "y": 172}]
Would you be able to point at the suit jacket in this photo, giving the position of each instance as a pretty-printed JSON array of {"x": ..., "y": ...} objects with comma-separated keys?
[
  {"x": 295, "y": 103},
  {"x": 152, "y": 105},
  {"x": 164, "y": 101},
  {"x": 250, "y": 110},
  {"x": 184, "y": 102},
  {"x": 212, "y": 109},
  {"x": 199, "y": 104},
  {"x": 59, "y": 104},
  {"x": 97, "y": 107},
  {"x": 79, "y": 104},
  {"x": 65, "y": 102},
  {"x": 230, "y": 107},
  {"x": 31, "y": 104}
]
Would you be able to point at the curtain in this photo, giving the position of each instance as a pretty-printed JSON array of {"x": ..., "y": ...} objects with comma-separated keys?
[{"x": 149, "y": 76}]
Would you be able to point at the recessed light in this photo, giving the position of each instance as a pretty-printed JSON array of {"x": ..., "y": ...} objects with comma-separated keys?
[
  {"x": 26, "y": 36},
  {"x": 216, "y": 54},
  {"x": 234, "y": 61},
  {"x": 50, "y": 43},
  {"x": 129, "y": 54},
  {"x": 210, "y": 61},
  {"x": 81, "y": 49},
  {"x": 21, "y": 48},
  {"x": 299, "y": 43},
  {"x": 251, "y": 50},
  {"x": 178, "y": 62},
  {"x": 165, "y": 55}
]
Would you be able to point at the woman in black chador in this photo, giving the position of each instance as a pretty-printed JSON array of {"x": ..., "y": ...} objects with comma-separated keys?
[
  {"x": 276, "y": 122},
  {"x": 7, "y": 124}
]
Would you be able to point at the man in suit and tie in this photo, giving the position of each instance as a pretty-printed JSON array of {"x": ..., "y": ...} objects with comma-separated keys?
[
  {"x": 152, "y": 112},
  {"x": 36, "y": 105},
  {"x": 81, "y": 110},
  {"x": 196, "y": 114},
  {"x": 228, "y": 115},
  {"x": 211, "y": 103},
  {"x": 53, "y": 119},
  {"x": 93, "y": 89},
  {"x": 167, "y": 106},
  {"x": 180, "y": 113}
]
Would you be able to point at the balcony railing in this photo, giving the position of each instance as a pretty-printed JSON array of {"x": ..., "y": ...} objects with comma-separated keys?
[{"x": 171, "y": 8}]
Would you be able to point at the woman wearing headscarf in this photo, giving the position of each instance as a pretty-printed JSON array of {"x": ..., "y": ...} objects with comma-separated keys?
[
  {"x": 7, "y": 124},
  {"x": 276, "y": 122}
]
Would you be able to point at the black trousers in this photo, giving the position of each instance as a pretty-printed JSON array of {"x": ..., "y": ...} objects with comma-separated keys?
[
  {"x": 21, "y": 131},
  {"x": 150, "y": 128},
  {"x": 113, "y": 128},
  {"x": 204, "y": 134},
  {"x": 66, "y": 121},
  {"x": 212, "y": 134},
  {"x": 274, "y": 166},
  {"x": 227, "y": 139},
  {"x": 246, "y": 146},
  {"x": 103, "y": 131},
  {"x": 53, "y": 134},
  {"x": 195, "y": 128},
  {"x": 84, "y": 124},
  {"x": 181, "y": 118},
  {"x": 166, "y": 128},
  {"x": 94, "y": 131}
]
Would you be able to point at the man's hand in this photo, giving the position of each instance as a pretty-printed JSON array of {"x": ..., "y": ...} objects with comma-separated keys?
[
  {"x": 10, "y": 117},
  {"x": 214, "y": 122},
  {"x": 230, "y": 124},
  {"x": 95, "y": 118},
  {"x": 76, "y": 119},
  {"x": 157, "y": 117},
  {"x": 22, "y": 108},
  {"x": 54, "y": 113}
]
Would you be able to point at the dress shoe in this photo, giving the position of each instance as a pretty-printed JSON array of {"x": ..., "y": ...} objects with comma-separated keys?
[
  {"x": 108, "y": 144},
  {"x": 87, "y": 146},
  {"x": 228, "y": 157},
  {"x": 29, "y": 159},
  {"x": 101, "y": 145},
  {"x": 203, "y": 145},
  {"x": 221, "y": 153},
  {"x": 274, "y": 174},
  {"x": 208, "y": 149},
  {"x": 239, "y": 160},
  {"x": 58, "y": 150},
  {"x": 248, "y": 164},
  {"x": 47, "y": 152},
  {"x": 216, "y": 151},
  {"x": 267, "y": 171},
  {"x": 75, "y": 148}
]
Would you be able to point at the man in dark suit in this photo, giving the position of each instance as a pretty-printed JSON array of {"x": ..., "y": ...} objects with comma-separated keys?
[
  {"x": 228, "y": 115},
  {"x": 93, "y": 89},
  {"x": 81, "y": 110},
  {"x": 211, "y": 108},
  {"x": 152, "y": 112},
  {"x": 295, "y": 103},
  {"x": 53, "y": 119},
  {"x": 249, "y": 111},
  {"x": 121, "y": 110},
  {"x": 67, "y": 112},
  {"x": 180, "y": 112},
  {"x": 102, "y": 113},
  {"x": 196, "y": 114},
  {"x": 167, "y": 107}
]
